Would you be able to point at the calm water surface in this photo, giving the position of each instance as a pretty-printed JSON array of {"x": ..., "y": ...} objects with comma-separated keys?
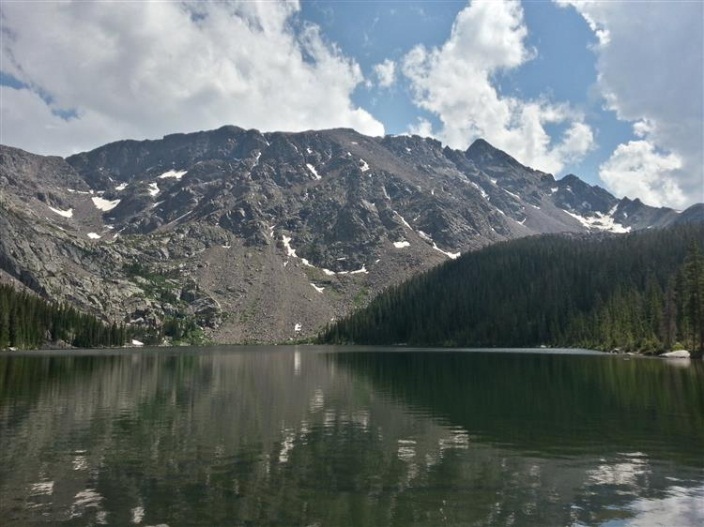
[{"x": 321, "y": 437}]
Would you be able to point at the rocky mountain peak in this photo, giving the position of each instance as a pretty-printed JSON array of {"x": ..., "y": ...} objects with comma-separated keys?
[
  {"x": 257, "y": 234},
  {"x": 485, "y": 154}
]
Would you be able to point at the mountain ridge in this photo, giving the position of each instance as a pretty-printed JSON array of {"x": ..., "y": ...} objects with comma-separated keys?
[{"x": 268, "y": 236}]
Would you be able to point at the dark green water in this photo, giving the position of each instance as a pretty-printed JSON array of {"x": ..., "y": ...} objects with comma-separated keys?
[{"x": 317, "y": 437}]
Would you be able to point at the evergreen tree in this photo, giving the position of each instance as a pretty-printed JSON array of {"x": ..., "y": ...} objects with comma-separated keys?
[
  {"x": 641, "y": 291},
  {"x": 693, "y": 301},
  {"x": 28, "y": 321}
]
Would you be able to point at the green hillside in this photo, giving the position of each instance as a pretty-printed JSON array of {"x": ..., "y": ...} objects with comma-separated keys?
[{"x": 641, "y": 291}]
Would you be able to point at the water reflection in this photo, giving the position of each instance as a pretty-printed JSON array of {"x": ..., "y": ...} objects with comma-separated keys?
[{"x": 272, "y": 436}]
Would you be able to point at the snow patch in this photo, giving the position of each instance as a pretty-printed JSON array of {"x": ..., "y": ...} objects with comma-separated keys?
[
  {"x": 386, "y": 194},
  {"x": 94, "y": 236},
  {"x": 446, "y": 253},
  {"x": 402, "y": 244},
  {"x": 425, "y": 236},
  {"x": 493, "y": 181},
  {"x": 403, "y": 220},
  {"x": 290, "y": 251},
  {"x": 600, "y": 221},
  {"x": 369, "y": 205},
  {"x": 153, "y": 189},
  {"x": 318, "y": 289},
  {"x": 72, "y": 191},
  {"x": 480, "y": 189},
  {"x": 363, "y": 165},
  {"x": 554, "y": 189},
  {"x": 362, "y": 270},
  {"x": 512, "y": 194},
  {"x": 313, "y": 171},
  {"x": 121, "y": 187},
  {"x": 65, "y": 213},
  {"x": 174, "y": 174},
  {"x": 137, "y": 343},
  {"x": 105, "y": 204}
]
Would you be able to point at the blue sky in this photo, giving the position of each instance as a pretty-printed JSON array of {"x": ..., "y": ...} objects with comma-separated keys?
[{"x": 610, "y": 91}]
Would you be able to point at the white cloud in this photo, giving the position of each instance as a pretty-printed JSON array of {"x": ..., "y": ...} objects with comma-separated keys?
[
  {"x": 422, "y": 128},
  {"x": 146, "y": 69},
  {"x": 455, "y": 82},
  {"x": 385, "y": 73},
  {"x": 636, "y": 169},
  {"x": 651, "y": 72}
]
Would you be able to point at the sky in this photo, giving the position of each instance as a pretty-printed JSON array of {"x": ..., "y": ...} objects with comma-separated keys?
[{"x": 612, "y": 91}]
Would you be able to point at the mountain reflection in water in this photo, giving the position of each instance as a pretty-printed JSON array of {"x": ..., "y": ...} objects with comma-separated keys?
[{"x": 338, "y": 436}]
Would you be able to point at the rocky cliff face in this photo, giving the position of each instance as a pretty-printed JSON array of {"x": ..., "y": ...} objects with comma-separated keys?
[{"x": 265, "y": 237}]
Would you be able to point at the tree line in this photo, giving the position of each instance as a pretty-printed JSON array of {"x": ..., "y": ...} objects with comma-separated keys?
[
  {"x": 639, "y": 292},
  {"x": 28, "y": 321}
]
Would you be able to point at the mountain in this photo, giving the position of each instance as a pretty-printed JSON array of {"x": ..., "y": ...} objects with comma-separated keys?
[
  {"x": 269, "y": 236},
  {"x": 642, "y": 291}
]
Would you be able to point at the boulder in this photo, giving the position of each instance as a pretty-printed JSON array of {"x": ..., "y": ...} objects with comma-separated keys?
[{"x": 677, "y": 354}]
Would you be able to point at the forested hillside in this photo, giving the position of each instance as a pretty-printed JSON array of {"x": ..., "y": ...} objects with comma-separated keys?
[
  {"x": 641, "y": 291},
  {"x": 28, "y": 321}
]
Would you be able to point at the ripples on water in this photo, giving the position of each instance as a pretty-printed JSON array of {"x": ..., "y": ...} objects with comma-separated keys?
[{"x": 308, "y": 436}]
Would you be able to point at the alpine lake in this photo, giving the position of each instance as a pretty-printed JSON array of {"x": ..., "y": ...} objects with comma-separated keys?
[{"x": 342, "y": 436}]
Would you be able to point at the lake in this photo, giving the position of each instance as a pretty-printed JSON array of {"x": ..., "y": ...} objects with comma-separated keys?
[{"x": 326, "y": 436}]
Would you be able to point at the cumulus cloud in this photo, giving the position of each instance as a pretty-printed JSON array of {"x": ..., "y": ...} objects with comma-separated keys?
[
  {"x": 456, "y": 83},
  {"x": 651, "y": 72},
  {"x": 636, "y": 169},
  {"x": 385, "y": 73},
  {"x": 91, "y": 72}
]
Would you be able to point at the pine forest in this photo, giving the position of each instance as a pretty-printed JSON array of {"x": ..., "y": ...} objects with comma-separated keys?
[
  {"x": 635, "y": 292},
  {"x": 28, "y": 321}
]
